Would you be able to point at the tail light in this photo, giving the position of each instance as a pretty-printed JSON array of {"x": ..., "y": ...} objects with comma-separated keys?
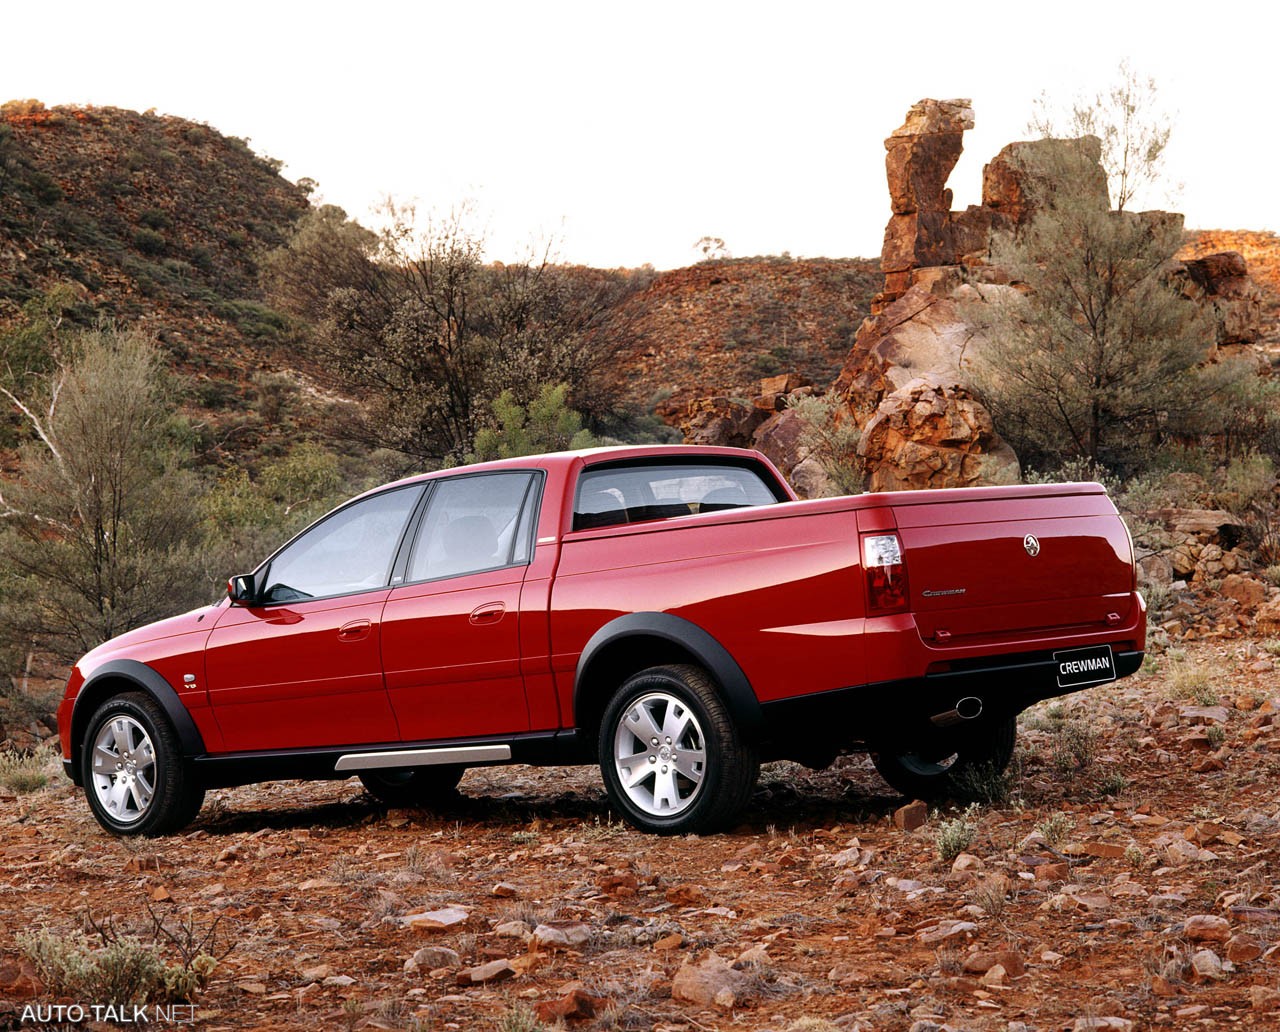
[
  {"x": 1133, "y": 555},
  {"x": 886, "y": 574}
]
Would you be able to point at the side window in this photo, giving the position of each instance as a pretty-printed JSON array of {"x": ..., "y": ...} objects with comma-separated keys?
[
  {"x": 631, "y": 494},
  {"x": 474, "y": 523},
  {"x": 350, "y": 551}
]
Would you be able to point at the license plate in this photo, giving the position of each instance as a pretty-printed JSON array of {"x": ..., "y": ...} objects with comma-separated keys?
[{"x": 1078, "y": 667}]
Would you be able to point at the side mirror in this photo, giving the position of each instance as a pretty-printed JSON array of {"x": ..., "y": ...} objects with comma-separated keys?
[{"x": 242, "y": 590}]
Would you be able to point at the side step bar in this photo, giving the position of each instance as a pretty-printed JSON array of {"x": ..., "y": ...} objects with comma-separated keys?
[{"x": 423, "y": 757}]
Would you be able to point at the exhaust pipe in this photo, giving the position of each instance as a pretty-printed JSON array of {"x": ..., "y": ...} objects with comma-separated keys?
[{"x": 968, "y": 708}]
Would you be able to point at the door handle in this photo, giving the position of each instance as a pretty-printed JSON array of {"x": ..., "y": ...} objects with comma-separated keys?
[
  {"x": 354, "y": 631},
  {"x": 489, "y": 613}
]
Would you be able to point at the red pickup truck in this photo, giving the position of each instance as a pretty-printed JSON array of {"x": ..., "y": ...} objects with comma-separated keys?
[{"x": 674, "y": 613}]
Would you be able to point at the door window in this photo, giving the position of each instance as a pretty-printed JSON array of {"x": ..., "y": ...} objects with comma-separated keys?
[
  {"x": 349, "y": 551},
  {"x": 473, "y": 523}
]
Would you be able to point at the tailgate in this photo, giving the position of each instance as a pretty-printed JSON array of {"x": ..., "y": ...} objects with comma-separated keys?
[{"x": 980, "y": 568}]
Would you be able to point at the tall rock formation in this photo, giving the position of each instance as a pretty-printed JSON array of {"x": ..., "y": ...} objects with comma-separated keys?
[{"x": 906, "y": 383}]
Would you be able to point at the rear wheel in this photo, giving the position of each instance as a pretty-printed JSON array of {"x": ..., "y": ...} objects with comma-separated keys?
[
  {"x": 672, "y": 758},
  {"x": 957, "y": 763},
  {"x": 413, "y": 786},
  {"x": 133, "y": 770}
]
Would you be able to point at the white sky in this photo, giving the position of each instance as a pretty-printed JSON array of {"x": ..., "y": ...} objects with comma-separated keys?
[{"x": 628, "y": 131}]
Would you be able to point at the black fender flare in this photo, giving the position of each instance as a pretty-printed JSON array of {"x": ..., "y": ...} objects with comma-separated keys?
[
  {"x": 738, "y": 694},
  {"x": 141, "y": 678}
]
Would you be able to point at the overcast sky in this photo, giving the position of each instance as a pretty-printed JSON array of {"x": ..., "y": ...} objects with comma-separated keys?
[{"x": 628, "y": 131}]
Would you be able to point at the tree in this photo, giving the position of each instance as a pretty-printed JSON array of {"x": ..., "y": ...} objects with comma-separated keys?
[
  {"x": 427, "y": 334},
  {"x": 547, "y": 424},
  {"x": 1129, "y": 124},
  {"x": 99, "y": 534},
  {"x": 1097, "y": 355}
]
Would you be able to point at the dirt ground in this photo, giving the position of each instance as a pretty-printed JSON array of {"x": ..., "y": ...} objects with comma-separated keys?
[{"x": 1130, "y": 880}]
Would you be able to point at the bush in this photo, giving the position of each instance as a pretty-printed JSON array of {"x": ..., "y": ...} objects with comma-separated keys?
[
  {"x": 46, "y": 188},
  {"x": 24, "y": 772},
  {"x": 831, "y": 436},
  {"x": 154, "y": 218},
  {"x": 956, "y": 835},
  {"x": 122, "y": 969},
  {"x": 148, "y": 241},
  {"x": 253, "y": 319}
]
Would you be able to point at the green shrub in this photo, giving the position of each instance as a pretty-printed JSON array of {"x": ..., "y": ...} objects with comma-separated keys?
[
  {"x": 46, "y": 188},
  {"x": 24, "y": 773},
  {"x": 148, "y": 241},
  {"x": 154, "y": 218},
  {"x": 121, "y": 969},
  {"x": 253, "y": 319},
  {"x": 956, "y": 835},
  {"x": 1055, "y": 829}
]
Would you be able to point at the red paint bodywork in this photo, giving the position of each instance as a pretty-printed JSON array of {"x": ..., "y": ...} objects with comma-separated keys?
[{"x": 780, "y": 587}]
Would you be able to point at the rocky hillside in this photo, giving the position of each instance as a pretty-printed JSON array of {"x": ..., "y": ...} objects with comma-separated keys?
[
  {"x": 156, "y": 221},
  {"x": 717, "y": 328}
]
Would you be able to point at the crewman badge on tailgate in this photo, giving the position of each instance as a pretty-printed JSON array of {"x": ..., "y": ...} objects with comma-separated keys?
[{"x": 1032, "y": 545}]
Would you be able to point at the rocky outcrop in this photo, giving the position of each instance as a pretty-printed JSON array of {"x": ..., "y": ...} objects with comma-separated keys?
[
  {"x": 923, "y": 231},
  {"x": 1261, "y": 253},
  {"x": 721, "y": 421},
  {"x": 906, "y": 385},
  {"x": 906, "y": 381},
  {"x": 930, "y": 433},
  {"x": 1221, "y": 283}
]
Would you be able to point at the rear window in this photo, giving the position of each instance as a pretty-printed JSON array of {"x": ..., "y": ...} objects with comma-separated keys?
[{"x": 633, "y": 494}]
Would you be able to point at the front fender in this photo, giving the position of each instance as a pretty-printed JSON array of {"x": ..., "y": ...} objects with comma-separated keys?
[{"x": 124, "y": 675}]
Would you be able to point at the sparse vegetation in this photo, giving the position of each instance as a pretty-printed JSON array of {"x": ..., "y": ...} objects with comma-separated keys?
[
  {"x": 1099, "y": 359},
  {"x": 956, "y": 834},
  {"x": 1192, "y": 681},
  {"x": 1055, "y": 829},
  {"x": 24, "y": 773},
  {"x": 831, "y": 437},
  {"x": 122, "y": 969}
]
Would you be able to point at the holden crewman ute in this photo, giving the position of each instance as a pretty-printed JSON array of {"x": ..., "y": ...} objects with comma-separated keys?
[{"x": 673, "y": 613}]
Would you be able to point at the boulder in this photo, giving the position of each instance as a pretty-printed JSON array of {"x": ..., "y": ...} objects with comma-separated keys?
[
  {"x": 780, "y": 439},
  {"x": 1221, "y": 283},
  {"x": 721, "y": 421},
  {"x": 712, "y": 981},
  {"x": 1013, "y": 178},
  {"x": 929, "y": 434},
  {"x": 1250, "y": 593}
]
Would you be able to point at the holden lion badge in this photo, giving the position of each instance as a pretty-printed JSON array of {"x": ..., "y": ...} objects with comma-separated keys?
[{"x": 1032, "y": 545}]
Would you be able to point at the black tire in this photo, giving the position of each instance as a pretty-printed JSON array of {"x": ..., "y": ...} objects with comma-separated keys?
[
  {"x": 142, "y": 785},
  {"x": 950, "y": 764},
  {"x": 700, "y": 796},
  {"x": 423, "y": 787}
]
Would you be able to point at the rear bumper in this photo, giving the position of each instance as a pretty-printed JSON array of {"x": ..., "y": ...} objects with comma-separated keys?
[{"x": 899, "y": 709}]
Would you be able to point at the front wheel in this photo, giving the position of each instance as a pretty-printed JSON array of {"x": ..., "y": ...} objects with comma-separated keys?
[
  {"x": 133, "y": 771},
  {"x": 953, "y": 764},
  {"x": 672, "y": 759},
  {"x": 413, "y": 786}
]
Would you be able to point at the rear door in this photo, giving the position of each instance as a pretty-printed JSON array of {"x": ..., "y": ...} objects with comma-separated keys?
[{"x": 451, "y": 632}]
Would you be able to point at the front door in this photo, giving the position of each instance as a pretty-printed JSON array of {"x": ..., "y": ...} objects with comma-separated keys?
[{"x": 302, "y": 668}]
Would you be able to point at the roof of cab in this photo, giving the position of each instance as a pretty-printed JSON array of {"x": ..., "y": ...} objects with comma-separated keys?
[{"x": 589, "y": 456}]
